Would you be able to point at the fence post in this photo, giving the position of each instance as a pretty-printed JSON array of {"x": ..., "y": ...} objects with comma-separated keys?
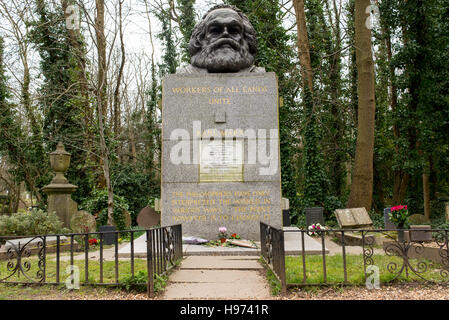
[
  {"x": 150, "y": 283},
  {"x": 282, "y": 262}
]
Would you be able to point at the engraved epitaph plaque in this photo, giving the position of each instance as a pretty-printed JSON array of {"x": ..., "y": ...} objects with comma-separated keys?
[
  {"x": 220, "y": 135},
  {"x": 221, "y": 161}
]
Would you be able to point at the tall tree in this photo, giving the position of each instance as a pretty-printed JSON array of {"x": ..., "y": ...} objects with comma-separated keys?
[
  {"x": 276, "y": 54},
  {"x": 314, "y": 185},
  {"x": 362, "y": 181},
  {"x": 186, "y": 20},
  {"x": 102, "y": 102},
  {"x": 61, "y": 99}
]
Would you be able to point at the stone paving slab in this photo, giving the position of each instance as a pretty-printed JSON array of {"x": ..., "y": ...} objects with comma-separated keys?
[
  {"x": 218, "y": 277},
  {"x": 214, "y": 291},
  {"x": 221, "y": 262}
]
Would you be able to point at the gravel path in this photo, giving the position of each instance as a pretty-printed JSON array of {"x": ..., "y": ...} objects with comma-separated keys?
[{"x": 394, "y": 292}]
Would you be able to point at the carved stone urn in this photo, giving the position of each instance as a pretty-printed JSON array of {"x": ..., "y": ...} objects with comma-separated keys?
[
  {"x": 60, "y": 162},
  {"x": 59, "y": 190}
]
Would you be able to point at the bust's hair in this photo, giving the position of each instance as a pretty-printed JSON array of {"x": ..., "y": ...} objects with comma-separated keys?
[{"x": 199, "y": 31}]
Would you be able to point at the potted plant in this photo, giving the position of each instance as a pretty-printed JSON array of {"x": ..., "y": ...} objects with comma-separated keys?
[
  {"x": 222, "y": 234},
  {"x": 399, "y": 216}
]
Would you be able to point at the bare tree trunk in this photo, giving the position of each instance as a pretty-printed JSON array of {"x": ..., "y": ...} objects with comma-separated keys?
[
  {"x": 101, "y": 50},
  {"x": 426, "y": 193},
  {"x": 102, "y": 102},
  {"x": 362, "y": 181},
  {"x": 303, "y": 44},
  {"x": 117, "y": 100}
]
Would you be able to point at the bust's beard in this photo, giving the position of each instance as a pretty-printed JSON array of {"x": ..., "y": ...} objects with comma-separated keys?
[{"x": 218, "y": 59}]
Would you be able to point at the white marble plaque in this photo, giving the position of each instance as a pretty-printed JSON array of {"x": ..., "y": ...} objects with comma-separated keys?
[{"x": 221, "y": 160}]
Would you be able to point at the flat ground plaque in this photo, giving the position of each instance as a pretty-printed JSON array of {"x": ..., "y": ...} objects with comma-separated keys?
[{"x": 220, "y": 170}]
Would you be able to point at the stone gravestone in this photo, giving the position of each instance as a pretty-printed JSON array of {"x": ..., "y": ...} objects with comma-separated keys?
[
  {"x": 387, "y": 223},
  {"x": 109, "y": 237},
  {"x": 354, "y": 218},
  {"x": 148, "y": 218},
  {"x": 220, "y": 135},
  {"x": 418, "y": 233},
  {"x": 285, "y": 212},
  {"x": 314, "y": 215},
  {"x": 83, "y": 221}
]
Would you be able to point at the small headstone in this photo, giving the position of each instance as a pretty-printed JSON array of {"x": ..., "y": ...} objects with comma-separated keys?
[
  {"x": 387, "y": 223},
  {"x": 286, "y": 218},
  {"x": 417, "y": 235},
  {"x": 108, "y": 236},
  {"x": 314, "y": 215},
  {"x": 447, "y": 211},
  {"x": 285, "y": 205},
  {"x": 148, "y": 218},
  {"x": 418, "y": 219},
  {"x": 83, "y": 221},
  {"x": 353, "y": 218}
]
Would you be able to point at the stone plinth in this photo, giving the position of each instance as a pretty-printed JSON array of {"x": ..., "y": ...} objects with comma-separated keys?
[
  {"x": 233, "y": 179},
  {"x": 59, "y": 190},
  {"x": 60, "y": 201}
]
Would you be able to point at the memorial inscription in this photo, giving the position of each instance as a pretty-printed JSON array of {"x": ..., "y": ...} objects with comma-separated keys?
[{"x": 226, "y": 173}]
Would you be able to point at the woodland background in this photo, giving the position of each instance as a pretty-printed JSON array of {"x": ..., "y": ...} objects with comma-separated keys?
[{"x": 364, "y": 112}]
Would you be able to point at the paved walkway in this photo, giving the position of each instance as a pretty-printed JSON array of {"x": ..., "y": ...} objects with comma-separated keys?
[
  {"x": 292, "y": 242},
  {"x": 218, "y": 277}
]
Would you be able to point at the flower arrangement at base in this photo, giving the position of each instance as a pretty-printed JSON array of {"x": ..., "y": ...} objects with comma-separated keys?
[
  {"x": 399, "y": 215},
  {"x": 222, "y": 234},
  {"x": 315, "y": 229},
  {"x": 93, "y": 242},
  {"x": 235, "y": 236}
]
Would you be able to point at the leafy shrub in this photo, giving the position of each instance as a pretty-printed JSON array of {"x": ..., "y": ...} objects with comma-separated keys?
[
  {"x": 138, "y": 283},
  {"x": 98, "y": 204},
  {"x": 35, "y": 222},
  {"x": 136, "y": 185}
]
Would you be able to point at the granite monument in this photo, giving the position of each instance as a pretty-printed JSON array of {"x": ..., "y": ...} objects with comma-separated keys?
[{"x": 220, "y": 134}]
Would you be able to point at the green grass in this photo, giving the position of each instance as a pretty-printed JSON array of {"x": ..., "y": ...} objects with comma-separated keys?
[
  {"x": 52, "y": 292},
  {"x": 124, "y": 268},
  {"x": 275, "y": 284},
  {"x": 109, "y": 272},
  {"x": 355, "y": 270}
]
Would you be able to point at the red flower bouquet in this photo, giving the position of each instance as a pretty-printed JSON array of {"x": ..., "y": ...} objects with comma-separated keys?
[{"x": 399, "y": 215}]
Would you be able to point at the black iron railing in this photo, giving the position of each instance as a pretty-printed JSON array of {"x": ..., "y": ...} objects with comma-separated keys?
[
  {"x": 356, "y": 257},
  {"x": 58, "y": 259},
  {"x": 273, "y": 252}
]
